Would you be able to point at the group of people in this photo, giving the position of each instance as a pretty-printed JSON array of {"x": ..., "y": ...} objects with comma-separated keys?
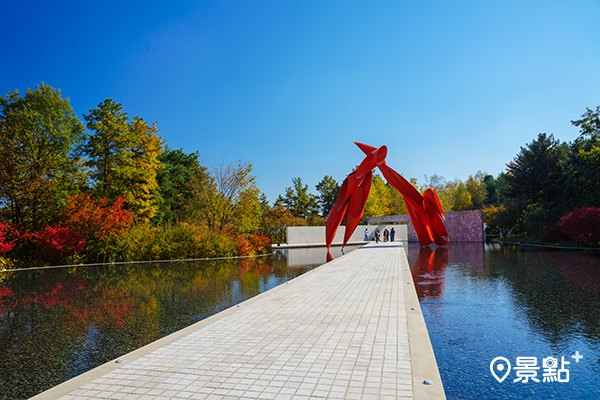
[{"x": 387, "y": 235}]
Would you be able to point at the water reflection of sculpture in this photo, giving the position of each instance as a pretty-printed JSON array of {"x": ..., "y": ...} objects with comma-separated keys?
[
  {"x": 425, "y": 210},
  {"x": 429, "y": 272}
]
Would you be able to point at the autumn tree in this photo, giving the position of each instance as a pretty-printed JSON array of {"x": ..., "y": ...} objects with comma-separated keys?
[
  {"x": 38, "y": 137},
  {"x": 139, "y": 169},
  {"x": 123, "y": 157},
  {"x": 382, "y": 199},
  {"x": 462, "y": 199},
  {"x": 274, "y": 223},
  {"x": 477, "y": 189},
  {"x": 228, "y": 199}
]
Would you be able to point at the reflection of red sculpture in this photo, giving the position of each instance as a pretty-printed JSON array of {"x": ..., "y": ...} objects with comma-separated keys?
[
  {"x": 429, "y": 272},
  {"x": 424, "y": 210}
]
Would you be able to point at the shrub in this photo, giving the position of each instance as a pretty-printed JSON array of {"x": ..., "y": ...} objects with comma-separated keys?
[
  {"x": 582, "y": 225},
  {"x": 94, "y": 218},
  {"x": 215, "y": 244},
  {"x": 261, "y": 244},
  {"x": 181, "y": 241},
  {"x": 5, "y": 244},
  {"x": 243, "y": 247},
  {"x": 553, "y": 234},
  {"x": 57, "y": 242}
]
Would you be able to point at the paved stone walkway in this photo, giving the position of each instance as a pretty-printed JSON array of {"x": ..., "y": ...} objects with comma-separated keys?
[{"x": 337, "y": 332}]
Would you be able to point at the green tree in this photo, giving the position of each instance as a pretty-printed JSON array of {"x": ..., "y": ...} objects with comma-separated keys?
[
  {"x": 584, "y": 174},
  {"x": 328, "y": 190},
  {"x": 175, "y": 180},
  {"x": 38, "y": 137},
  {"x": 299, "y": 201},
  {"x": 106, "y": 148},
  {"x": 537, "y": 173},
  {"x": 123, "y": 157}
]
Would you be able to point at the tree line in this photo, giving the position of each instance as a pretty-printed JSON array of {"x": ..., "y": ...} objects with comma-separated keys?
[
  {"x": 112, "y": 189},
  {"x": 549, "y": 192}
]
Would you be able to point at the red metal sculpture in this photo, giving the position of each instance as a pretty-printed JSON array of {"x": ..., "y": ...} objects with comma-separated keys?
[{"x": 425, "y": 210}]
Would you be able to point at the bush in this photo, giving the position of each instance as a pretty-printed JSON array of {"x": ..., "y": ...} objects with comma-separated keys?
[
  {"x": 181, "y": 241},
  {"x": 261, "y": 244},
  {"x": 93, "y": 218},
  {"x": 55, "y": 243},
  {"x": 5, "y": 244},
  {"x": 582, "y": 225},
  {"x": 553, "y": 234}
]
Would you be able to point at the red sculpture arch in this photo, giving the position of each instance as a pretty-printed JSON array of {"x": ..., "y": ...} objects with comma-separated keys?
[{"x": 425, "y": 211}]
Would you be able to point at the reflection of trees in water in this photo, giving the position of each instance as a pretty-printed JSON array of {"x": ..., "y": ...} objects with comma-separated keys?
[
  {"x": 59, "y": 323},
  {"x": 557, "y": 291}
]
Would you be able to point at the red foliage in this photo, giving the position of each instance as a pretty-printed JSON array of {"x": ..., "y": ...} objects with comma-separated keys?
[
  {"x": 59, "y": 294},
  {"x": 56, "y": 242},
  {"x": 553, "y": 234},
  {"x": 582, "y": 225},
  {"x": 261, "y": 243},
  {"x": 5, "y": 292},
  {"x": 5, "y": 244},
  {"x": 93, "y": 219}
]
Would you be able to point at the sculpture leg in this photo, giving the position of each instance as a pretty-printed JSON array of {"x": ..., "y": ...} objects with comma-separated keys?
[{"x": 357, "y": 206}]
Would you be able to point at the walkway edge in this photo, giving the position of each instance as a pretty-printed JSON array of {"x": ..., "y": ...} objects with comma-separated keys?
[{"x": 427, "y": 383}]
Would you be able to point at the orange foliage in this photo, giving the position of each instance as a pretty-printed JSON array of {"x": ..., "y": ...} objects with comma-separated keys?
[
  {"x": 251, "y": 245},
  {"x": 93, "y": 218}
]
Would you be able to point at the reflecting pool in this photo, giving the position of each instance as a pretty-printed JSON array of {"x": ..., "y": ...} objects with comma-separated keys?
[
  {"x": 58, "y": 323},
  {"x": 481, "y": 302}
]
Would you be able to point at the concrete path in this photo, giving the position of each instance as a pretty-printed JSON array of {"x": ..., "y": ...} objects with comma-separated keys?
[{"x": 350, "y": 329}]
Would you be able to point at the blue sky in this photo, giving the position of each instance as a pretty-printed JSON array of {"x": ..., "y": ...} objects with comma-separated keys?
[{"x": 450, "y": 87}]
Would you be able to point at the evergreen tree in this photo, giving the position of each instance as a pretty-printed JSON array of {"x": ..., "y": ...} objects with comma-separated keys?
[
  {"x": 176, "y": 179},
  {"x": 299, "y": 201},
  {"x": 328, "y": 190},
  {"x": 537, "y": 173}
]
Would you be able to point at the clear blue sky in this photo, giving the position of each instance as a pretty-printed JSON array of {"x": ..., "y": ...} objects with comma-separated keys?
[{"x": 451, "y": 87}]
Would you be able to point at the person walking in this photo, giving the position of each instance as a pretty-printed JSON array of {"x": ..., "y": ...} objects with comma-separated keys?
[
  {"x": 366, "y": 235},
  {"x": 386, "y": 235},
  {"x": 392, "y": 234},
  {"x": 376, "y": 235}
]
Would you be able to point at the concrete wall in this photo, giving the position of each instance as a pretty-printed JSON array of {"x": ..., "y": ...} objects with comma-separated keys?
[
  {"x": 462, "y": 226},
  {"x": 316, "y": 234}
]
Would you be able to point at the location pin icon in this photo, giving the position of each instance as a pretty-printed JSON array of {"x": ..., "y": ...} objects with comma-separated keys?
[{"x": 499, "y": 366}]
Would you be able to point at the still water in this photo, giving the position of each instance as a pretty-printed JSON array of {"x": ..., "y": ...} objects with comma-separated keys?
[
  {"x": 486, "y": 301},
  {"x": 56, "y": 324}
]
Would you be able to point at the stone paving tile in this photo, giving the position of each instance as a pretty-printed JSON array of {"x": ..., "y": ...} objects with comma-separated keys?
[{"x": 337, "y": 332}]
